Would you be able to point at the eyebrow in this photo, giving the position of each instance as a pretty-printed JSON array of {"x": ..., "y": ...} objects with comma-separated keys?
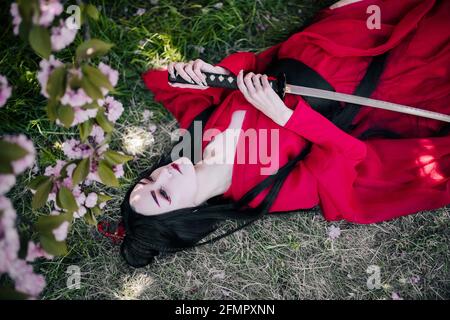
[
  {"x": 148, "y": 180},
  {"x": 153, "y": 193}
]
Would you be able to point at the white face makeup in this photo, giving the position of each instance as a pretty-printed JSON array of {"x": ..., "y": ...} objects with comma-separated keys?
[{"x": 168, "y": 188}]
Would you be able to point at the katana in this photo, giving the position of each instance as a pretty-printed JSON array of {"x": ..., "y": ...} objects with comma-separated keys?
[{"x": 281, "y": 88}]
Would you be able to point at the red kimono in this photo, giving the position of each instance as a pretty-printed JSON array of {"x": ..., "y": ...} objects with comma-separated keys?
[{"x": 359, "y": 181}]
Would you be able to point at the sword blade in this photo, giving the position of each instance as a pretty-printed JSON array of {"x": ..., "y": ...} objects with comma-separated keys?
[{"x": 343, "y": 97}]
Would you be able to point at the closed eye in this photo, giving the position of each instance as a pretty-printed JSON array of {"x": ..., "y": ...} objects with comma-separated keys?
[{"x": 165, "y": 195}]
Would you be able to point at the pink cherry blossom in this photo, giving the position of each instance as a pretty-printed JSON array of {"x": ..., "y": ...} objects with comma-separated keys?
[
  {"x": 47, "y": 67},
  {"x": 17, "y": 19},
  {"x": 62, "y": 36},
  {"x": 334, "y": 232},
  {"x": 396, "y": 296},
  {"x": 113, "y": 75},
  {"x": 92, "y": 177},
  {"x": 114, "y": 108},
  {"x": 97, "y": 134},
  {"x": 25, "y": 279},
  {"x": 80, "y": 213},
  {"x": 49, "y": 9},
  {"x": 5, "y": 90},
  {"x": 56, "y": 169},
  {"x": 80, "y": 198},
  {"x": 36, "y": 251},
  {"x": 9, "y": 239},
  {"x": 7, "y": 181},
  {"x": 82, "y": 115},
  {"x": 91, "y": 200},
  {"x": 22, "y": 164},
  {"x": 75, "y": 97},
  {"x": 74, "y": 149},
  {"x": 20, "y": 272},
  {"x": 60, "y": 232},
  {"x": 118, "y": 170}
]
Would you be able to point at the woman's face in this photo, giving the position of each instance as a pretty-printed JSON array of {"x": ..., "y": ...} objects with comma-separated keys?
[{"x": 167, "y": 188}]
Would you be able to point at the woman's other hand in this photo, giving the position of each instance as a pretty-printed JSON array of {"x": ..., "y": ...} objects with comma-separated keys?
[
  {"x": 192, "y": 72},
  {"x": 257, "y": 90}
]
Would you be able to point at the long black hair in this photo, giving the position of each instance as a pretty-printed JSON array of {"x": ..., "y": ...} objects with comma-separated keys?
[{"x": 149, "y": 236}]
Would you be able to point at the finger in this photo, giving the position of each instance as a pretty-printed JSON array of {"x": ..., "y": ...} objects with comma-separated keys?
[
  {"x": 180, "y": 68},
  {"x": 240, "y": 83},
  {"x": 269, "y": 91},
  {"x": 249, "y": 84},
  {"x": 261, "y": 94},
  {"x": 257, "y": 83},
  {"x": 198, "y": 64},
  {"x": 171, "y": 69},
  {"x": 242, "y": 87},
  {"x": 190, "y": 71}
]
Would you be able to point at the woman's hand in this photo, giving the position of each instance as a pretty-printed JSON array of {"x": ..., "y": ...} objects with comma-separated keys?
[
  {"x": 257, "y": 90},
  {"x": 192, "y": 72}
]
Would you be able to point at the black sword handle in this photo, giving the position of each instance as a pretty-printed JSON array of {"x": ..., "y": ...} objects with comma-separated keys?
[{"x": 217, "y": 80}]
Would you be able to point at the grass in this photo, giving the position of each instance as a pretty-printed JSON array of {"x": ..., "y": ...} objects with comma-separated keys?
[{"x": 285, "y": 257}]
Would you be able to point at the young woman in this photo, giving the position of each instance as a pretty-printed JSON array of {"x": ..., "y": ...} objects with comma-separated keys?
[{"x": 360, "y": 164}]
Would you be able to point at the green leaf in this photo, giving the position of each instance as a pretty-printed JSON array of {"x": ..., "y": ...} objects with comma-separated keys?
[
  {"x": 26, "y": 8},
  {"x": 50, "y": 245},
  {"x": 103, "y": 198},
  {"x": 103, "y": 122},
  {"x": 75, "y": 82},
  {"x": 96, "y": 77},
  {"x": 92, "y": 48},
  {"x": 97, "y": 211},
  {"x": 90, "y": 218},
  {"x": 52, "y": 109},
  {"x": 106, "y": 174},
  {"x": 5, "y": 167},
  {"x": 45, "y": 226},
  {"x": 91, "y": 89},
  {"x": 85, "y": 129},
  {"x": 115, "y": 158},
  {"x": 81, "y": 171},
  {"x": 93, "y": 105},
  {"x": 92, "y": 11},
  {"x": 56, "y": 84},
  {"x": 66, "y": 200},
  {"x": 39, "y": 39},
  {"x": 10, "y": 151},
  {"x": 41, "y": 195},
  {"x": 66, "y": 115},
  {"x": 36, "y": 182}
]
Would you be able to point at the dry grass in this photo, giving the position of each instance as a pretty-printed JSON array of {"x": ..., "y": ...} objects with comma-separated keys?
[{"x": 284, "y": 257}]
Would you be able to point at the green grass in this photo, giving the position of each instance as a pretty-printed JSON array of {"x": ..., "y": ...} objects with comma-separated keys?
[{"x": 286, "y": 257}]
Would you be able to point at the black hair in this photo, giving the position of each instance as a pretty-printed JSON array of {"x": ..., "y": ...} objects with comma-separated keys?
[{"x": 149, "y": 236}]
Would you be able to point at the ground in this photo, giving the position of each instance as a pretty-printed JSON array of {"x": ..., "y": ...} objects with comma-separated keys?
[{"x": 283, "y": 257}]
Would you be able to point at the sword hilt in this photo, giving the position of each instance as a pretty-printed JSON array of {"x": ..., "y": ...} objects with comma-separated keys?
[{"x": 217, "y": 80}]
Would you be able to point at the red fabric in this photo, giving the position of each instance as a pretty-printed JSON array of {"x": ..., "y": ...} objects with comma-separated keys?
[{"x": 359, "y": 181}]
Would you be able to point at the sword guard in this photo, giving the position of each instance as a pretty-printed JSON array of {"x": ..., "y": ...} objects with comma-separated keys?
[{"x": 281, "y": 85}]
